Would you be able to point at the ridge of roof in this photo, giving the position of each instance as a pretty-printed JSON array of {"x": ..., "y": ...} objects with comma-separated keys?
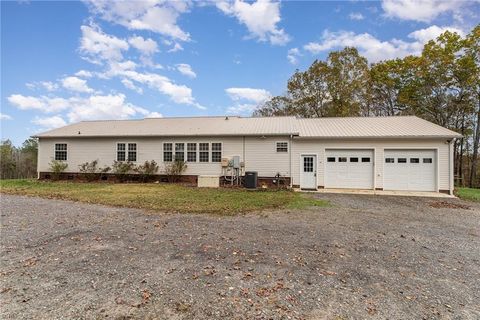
[{"x": 325, "y": 127}]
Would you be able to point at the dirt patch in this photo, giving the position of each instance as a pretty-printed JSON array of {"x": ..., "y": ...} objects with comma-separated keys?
[
  {"x": 448, "y": 205},
  {"x": 364, "y": 257}
]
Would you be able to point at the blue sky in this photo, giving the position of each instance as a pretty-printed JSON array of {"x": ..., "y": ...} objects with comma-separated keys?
[{"x": 63, "y": 62}]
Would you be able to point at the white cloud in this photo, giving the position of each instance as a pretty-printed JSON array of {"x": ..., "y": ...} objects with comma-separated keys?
[
  {"x": 177, "y": 93},
  {"x": 84, "y": 74},
  {"x": 145, "y": 46},
  {"x": 260, "y": 18},
  {"x": 42, "y": 103},
  {"x": 186, "y": 70},
  {"x": 49, "y": 122},
  {"x": 47, "y": 85},
  {"x": 157, "y": 16},
  {"x": 293, "y": 54},
  {"x": 356, "y": 16},
  {"x": 245, "y": 108},
  {"x": 76, "y": 84},
  {"x": 98, "y": 107},
  {"x": 93, "y": 107},
  {"x": 176, "y": 47},
  {"x": 432, "y": 32},
  {"x": 97, "y": 46},
  {"x": 419, "y": 10},
  {"x": 374, "y": 49},
  {"x": 130, "y": 85},
  {"x": 154, "y": 115},
  {"x": 4, "y": 116},
  {"x": 249, "y": 94}
]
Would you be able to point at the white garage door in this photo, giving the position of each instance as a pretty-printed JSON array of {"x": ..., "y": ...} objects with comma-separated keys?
[
  {"x": 413, "y": 170},
  {"x": 352, "y": 169}
]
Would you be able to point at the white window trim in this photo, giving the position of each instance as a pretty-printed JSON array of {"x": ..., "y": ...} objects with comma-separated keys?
[
  {"x": 212, "y": 151},
  {"x": 184, "y": 150},
  {"x": 196, "y": 152},
  {"x": 209, "y": 151},
  {"x": 126, "y": 150},
  {"x": 55, "y": 150},
  {"x": 172, "y": 151},
  {"x": 276, "y": 148}
]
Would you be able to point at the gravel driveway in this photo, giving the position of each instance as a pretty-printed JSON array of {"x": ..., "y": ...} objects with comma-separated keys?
[{"x": 366, "y": 257}]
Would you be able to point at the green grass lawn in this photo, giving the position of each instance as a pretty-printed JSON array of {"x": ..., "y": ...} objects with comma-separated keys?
[
  {"x": 163, "y": 197},
  {"x": 468, "y": 194}
]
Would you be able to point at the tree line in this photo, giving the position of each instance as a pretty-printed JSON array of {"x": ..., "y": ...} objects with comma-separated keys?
[
  {"x": 441, "y": 85},
  {"x": 18, "y": 162}
]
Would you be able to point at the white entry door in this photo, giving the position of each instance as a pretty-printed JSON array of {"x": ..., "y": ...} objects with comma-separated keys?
[
  {"x": 410, "y": 169},
  {"x": 349, "y": 168},
  {"x": 308, "y": 175}
]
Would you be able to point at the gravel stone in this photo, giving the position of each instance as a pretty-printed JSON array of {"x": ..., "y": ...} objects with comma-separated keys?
[{"x": 365, "y": 257}]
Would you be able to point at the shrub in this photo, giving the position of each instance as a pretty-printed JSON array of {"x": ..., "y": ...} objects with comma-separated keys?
[
  {"x": 103, "y": 172},
  {"x": 88, "y": 170},
  {"x": 147, "y": 170},
  {"x": 174, "y": 169},
  {"x": 57, "y": 167},
  {"x": 122, "y": 168}
]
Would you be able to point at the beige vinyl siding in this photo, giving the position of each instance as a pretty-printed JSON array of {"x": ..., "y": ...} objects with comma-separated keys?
[
  {"x": 260, "y": 153},
  {"x": 318, "y": 146},
  {"x": 104, "y": 150}
]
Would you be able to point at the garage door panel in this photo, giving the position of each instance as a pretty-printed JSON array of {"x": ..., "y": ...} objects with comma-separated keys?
[
  {"x": 418, "y": 173},
  {"x": 349, "y": 174}
]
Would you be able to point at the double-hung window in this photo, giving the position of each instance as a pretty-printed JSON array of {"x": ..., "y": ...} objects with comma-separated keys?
[
  {"x": 191, "y": 152},
  {"x": 126, "y": 151},
  {"x": 203, "y": 154},
  {"x": 216, "y": 152},
  {"x": 132, "y": 152},
  {"x": 121, "y": 152},
  {"x": 179, "y": 151},
  {"x": 61, "y": 151},
  {"x": 167, "y": 152}
]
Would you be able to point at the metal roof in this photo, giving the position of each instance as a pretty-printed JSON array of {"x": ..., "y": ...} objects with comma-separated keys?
[
  {"x": 372, "y": 127},
  {"x": 358, "y": 127}
]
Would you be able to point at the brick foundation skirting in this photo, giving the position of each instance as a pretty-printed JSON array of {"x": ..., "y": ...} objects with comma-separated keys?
[
  {"x": 269, "y": 182},
  {"x": 110, "y": 177}
]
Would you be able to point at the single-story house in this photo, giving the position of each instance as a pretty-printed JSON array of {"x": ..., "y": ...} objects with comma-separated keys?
[{"x": 382, "y": 153}]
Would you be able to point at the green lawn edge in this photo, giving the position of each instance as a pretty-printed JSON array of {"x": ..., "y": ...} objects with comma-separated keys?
[
  {"x": 470, "y": 194},
  {"x": 164, "y": 197}
]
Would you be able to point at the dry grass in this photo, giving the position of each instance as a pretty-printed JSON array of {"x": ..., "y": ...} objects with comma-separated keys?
[{"x": 162, "y": 197}]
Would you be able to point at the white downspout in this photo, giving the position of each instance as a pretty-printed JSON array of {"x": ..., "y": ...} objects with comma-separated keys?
[
  {"x": 451, "y": 179},
  {"x": 290, "y": 161}
]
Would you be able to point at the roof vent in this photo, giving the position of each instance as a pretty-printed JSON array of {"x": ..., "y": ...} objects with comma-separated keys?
[{"x": 78, "y": 132}]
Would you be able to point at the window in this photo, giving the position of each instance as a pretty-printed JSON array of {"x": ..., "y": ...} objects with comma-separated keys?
[
  {"x": 308, "y": 164},
  {"x": 203, "y": 155},
  {"x": 414, "y": 160},
  {"x": 191, "y": 152},
  {"x": 353, "y": 159},
  {"x": 367, "y": 159},
  {"x": 402, "y": 160},
  {"x": 342, "y": 159},
  {"x": 132, "y": 152},
  {"x": 167, "y": 152},
  {"x": 126, "y": 155},
  {"x": 282, "y": 146},
  {"x": 331, "y": 159},
  {"x": 216, "y": 152},
  {"x": 61, "y": 151},
  {"x": 389, "y": 160},
  {"x": 121, "y": 154},
  {"x": 427, "y": 160},
  {"x": 179, "y": 151}
]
